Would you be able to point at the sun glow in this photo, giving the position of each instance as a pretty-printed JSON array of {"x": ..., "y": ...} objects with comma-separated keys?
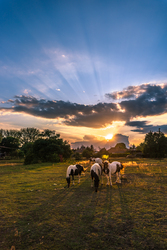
[{"x": 109, "y": 136}]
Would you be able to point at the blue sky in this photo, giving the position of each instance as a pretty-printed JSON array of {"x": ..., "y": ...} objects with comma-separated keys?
[{"x": 84, "y": 68}]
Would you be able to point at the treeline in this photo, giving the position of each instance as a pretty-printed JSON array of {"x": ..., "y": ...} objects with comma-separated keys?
[
  {"x": 87, "y": 152},
  {"x": 47, "y": 146},
  {"x": 153, "y": 146},
  {"x": 34, "y": 146}
]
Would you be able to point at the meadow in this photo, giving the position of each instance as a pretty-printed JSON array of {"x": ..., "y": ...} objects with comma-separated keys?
[{"x": 38, "y": 211}]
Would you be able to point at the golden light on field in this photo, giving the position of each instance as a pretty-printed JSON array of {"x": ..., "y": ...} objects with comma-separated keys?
[{"x": 109, "y": 136}]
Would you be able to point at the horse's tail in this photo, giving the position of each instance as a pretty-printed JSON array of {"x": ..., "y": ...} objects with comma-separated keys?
[
  {"x": 68, "y": 171},
  {"x": 96, "y": 176},
  {"x": 98, "y": 169},
  {"x": 68, "y": 175}
]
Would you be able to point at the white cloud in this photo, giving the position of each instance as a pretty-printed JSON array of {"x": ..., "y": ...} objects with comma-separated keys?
[{"x": 26, "y": 91}]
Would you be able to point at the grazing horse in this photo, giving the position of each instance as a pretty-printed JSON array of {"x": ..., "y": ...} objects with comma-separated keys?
[
  {"x": 100, "y": 162},
  {"x": 74, "y": 170},
  {"x": 97, "y": 160},
  {"x": 112, "y": 168},
  {"x": 95, "y": 172}
]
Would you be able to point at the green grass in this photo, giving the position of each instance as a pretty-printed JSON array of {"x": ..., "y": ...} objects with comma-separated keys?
[{"x": 38, "y": 211}]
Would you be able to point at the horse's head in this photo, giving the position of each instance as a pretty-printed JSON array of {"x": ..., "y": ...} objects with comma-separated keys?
[
  {"x": 83, "y": 169},
  {"x": 91, "y": 160},
  {"x": 122, "y": 166},
  {"x": 80, "y": 168},
  {"x": 106, "y": 170}
]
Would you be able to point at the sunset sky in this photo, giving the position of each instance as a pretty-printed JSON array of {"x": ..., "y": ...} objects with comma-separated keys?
[{"x": 84, "y": 68}]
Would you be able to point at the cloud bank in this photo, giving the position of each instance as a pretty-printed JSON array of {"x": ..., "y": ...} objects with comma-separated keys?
[{"x": 131, "y": 103}]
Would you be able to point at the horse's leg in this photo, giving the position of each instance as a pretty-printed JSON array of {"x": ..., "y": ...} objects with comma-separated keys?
[
  {"x": 118, "y": 175},
  {"x": 79, "y": 178},
  {"x": 91, "y": 174},
  {"x": 92, "y": 182},
  {"x": 73, "y": 179},
  {"x": 110, "y": 177},
  {"x": 102, "y": 179}
]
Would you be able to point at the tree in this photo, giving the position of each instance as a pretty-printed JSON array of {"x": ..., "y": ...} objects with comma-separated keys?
[
  {"x": 47, "y": 133},
  {"x": 10, "y": 133},
  {"x": 77, "y": 156},
  {"x": 101, "y": 152},
  {"x": 48, "y": 150},
  {"x": 140, "y": 147},
  {"x": 88, "y": 152},
  {"x": 0, "y": 136},
  {"x": 155, "y": 145},
  {"x": 9, "y": 145},
  {"x": 29, "y": 135},
  {"x": 27, "y": 147}
]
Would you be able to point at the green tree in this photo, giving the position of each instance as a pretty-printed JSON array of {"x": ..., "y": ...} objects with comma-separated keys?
[
  {"x": 140, "y": 147},
  {"x": 47, "y": 133},
  {"x": 29, "y": 135},
  {"x": 10, "y": 133},
  {"x": 88, "y": 152},
  {"x": 77, "y": 156},
  {"x": 155, "y": 145},
  {"x": 48, "y": 150},
  {"x": 27, "y": 147},
  {"x": 101, "y": 152},
  {"x": 0, "y": 136},
  {"x": 9, "y": 145}
]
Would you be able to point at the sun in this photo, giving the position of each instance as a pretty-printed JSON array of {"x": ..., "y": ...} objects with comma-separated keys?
[{"x": 109, "y": 136}]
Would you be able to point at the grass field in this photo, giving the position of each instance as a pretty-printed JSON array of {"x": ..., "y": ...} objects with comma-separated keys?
[{"x": 38, "y": 211}]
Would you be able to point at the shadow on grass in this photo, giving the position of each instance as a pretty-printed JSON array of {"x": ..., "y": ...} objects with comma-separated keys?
[{"x": 78, "y": 218}]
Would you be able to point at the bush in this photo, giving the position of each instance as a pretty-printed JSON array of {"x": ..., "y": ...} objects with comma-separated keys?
[
  {"x": 30, "y": 159},
  {"x": 47, "y": 150},
  {"x": 78, "y": 157},
  {"x": 20, "y": 154}
]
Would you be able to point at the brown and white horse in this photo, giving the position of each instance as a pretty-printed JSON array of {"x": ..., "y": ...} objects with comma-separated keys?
[
  {"x": 74, "y": 170},
  {"x": 95, "y": 172},
  {"x": 100, "y": 162},
  {"x": 112, "y": 168}
]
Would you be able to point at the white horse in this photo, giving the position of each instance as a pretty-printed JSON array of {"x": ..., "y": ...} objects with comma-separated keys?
[
  {"x": 112, "y": 168},
  {"x": 100, "y": 162},
  {"x": 96, "y": 172}
]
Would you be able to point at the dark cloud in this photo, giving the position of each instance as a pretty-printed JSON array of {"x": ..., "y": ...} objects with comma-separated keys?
[
  {"x": 132, "y": 102},
  {"x": 132, "y": 92},
  {"x": 152, "y": 128},
  {"x": 74, "y": 114},
  {"x": 151, "y": 101},
  {"x": 142, "y": 127},
  {"x": 89, "y": 137},
  {"x": 96, "y": 120},
  {"x": 143, "y": 100},
  {"x": 137, "y": 124},
  {"x": 127, "y": 93}
]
